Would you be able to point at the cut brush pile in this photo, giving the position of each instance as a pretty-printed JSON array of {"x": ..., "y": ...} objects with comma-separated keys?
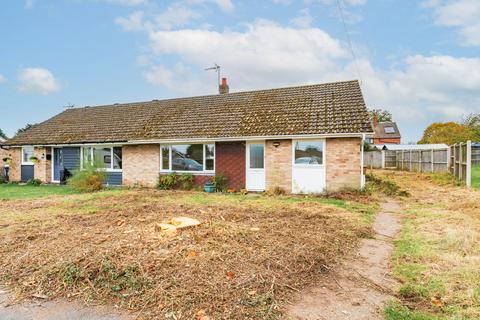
[{"x": 242, "y": 262}]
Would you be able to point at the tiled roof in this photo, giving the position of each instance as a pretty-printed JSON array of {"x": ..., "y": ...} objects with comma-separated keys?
[
  {"x": 329, "y": 108},
  {"x": 380, "y": 132}
]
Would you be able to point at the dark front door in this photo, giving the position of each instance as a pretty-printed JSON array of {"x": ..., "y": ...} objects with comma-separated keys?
[
  {"x": 27, "y": 173},
  {"x": 57, "y": 164}
]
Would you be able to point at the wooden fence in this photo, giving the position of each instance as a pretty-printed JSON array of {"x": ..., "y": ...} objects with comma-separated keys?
[
  {"x": 431, "y": 160},
  {"x": 465, "y": 158}
]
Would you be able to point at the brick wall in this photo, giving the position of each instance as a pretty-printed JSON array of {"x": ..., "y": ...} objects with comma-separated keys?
[
  {"x": 343, "y": 163},
  {"x": 230, "y": 160},
  {"x": 386, "y": 141},
  {"x": 15, "y": 167},
  {"x": 278, "y": 165},
  {"x": 43, "y": 168},
  {"x": 141, "y": 164}
]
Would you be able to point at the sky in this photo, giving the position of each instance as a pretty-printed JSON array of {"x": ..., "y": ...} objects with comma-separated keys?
[{"x": 418, "y": 59}]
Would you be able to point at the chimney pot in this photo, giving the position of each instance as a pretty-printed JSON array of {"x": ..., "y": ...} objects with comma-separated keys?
[{"x": 223, "y": 88}]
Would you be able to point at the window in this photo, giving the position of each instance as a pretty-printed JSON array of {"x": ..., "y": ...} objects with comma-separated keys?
[
  {"x": 188, "y": 157},
  {"x": 209, "y": 157},
  {"x": 27, "y": 153},
  {"x": 256, "y": 156},
  {"x": 389, "y": 130},
  {"x": 117, "y": 158},
  {"x": 109, "y": 158},
  {"x": 309, "y": 152}
]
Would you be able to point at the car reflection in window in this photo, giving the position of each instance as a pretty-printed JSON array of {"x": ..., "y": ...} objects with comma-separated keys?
[
  {"x": 182, "y": 164},
  {"x": 308, "y": 160}
]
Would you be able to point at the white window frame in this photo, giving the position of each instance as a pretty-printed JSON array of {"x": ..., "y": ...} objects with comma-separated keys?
[
  {"x": 27, "y": 163},
  {"x": 92, "y": 147},
  {"x": 203, "y": 172},
  {"x": 302, "y": 165}
]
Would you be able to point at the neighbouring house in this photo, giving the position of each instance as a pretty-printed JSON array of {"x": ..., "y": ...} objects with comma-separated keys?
[
  {"x": 303, "y": 139},
  {"x": 384, "y": 133}
]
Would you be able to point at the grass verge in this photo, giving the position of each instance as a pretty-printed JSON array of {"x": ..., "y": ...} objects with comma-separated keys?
[
  {"x": 437, "y": 254},
  {"x": 13, "y": 191}
]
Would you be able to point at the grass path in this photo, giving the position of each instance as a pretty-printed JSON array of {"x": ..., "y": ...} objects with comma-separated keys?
[{"x": 437, "y": 253}]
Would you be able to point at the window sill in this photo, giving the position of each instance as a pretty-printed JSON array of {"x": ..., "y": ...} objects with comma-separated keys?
[
  {"x": 195, "y": 173},
  {"x": 28, "y": 164}
]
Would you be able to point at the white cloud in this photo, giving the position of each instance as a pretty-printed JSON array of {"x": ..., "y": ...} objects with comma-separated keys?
[
  {"x": 265, "y": 50},
  {"x": 2, "y": 79},
  {"x": 225, "y": 5},
  {"x": 37, "y": 80},
  {"x": 134, "y": 22},
  {"x": 29, "y": 4},
  {"x": 127, "y": 2},
  {"x": 175, "y": 15},
  {"x": 303, "y": 20},
  {"x": 418, "y": 89},
  {"x": 461, "y": 14}
]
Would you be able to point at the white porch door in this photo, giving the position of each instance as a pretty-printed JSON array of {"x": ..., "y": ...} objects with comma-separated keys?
[{"x": 255, "y": 166}]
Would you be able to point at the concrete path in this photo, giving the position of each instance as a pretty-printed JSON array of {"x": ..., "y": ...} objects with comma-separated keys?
[
  {"x": 54, "y": 310},
  {"x": 360, "y": 287}
]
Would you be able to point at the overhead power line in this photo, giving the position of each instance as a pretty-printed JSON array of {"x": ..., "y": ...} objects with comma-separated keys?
[{"x": 349, "y": 40}]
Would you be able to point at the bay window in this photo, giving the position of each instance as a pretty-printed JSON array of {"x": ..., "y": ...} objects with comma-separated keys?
[
  {"x": 188, "y": 157},
  {"x": 109, "y": 158}
]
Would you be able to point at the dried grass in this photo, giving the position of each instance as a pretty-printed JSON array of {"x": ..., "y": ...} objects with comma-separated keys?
[
  {"x": 443, "y": 222},
  {"x": 243, "y": 262}
]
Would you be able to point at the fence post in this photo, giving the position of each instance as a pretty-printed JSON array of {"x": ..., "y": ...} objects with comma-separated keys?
[
  {"x": 460, "y": 161},
  {"x": 383, "y": 159},
  {"x": 469, "y": 164},
  {"x": 431, "y": 159}
]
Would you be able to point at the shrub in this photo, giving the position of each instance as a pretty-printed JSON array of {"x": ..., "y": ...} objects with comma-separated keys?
[
  {"x": 3, "y": 179},
  {"x": 167, "y": 182},
  {"x": 34, "y": 182},
  {"x": 90, "y": 179},
  {"x": 220, "y": 181},
  {"x": 186, "y": 181},
  {"x": 276, "y": 191}
]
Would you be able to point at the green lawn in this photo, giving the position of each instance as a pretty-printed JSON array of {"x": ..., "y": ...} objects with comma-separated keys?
[
  {"x": 476, "y": 176},
  {"x": 15, "y": 191}
]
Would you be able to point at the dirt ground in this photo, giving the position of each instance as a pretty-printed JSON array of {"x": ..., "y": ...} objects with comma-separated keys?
[
  {"x": 54, "y": 310},
  {"x": 360, "y": 287}
]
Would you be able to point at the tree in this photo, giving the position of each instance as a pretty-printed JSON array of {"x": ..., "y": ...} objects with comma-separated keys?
[
  {"x": 472, "y": 121},
  {"x": 28, "y": 126},
  {"x": 3, "y": 135},
  {"x": 448, "y": 133},
  {"x": 382, "y": 115}
]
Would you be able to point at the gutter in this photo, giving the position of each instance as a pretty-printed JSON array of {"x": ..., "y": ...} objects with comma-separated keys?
[
  {"x": 249, "y": 138},
  {"x": 199, "y": 140}
]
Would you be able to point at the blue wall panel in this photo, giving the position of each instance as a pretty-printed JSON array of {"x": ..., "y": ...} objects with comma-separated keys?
[
  {"x": 27, "y": 173},
  {"x": 114, "y": 178},
  {"x": 71, "y": 158}
]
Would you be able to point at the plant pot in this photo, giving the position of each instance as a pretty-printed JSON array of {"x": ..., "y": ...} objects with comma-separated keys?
[{"x": 209, "y": 187}]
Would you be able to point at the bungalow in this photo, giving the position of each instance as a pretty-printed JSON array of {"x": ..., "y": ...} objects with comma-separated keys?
[{"x": 303, "y": 139}]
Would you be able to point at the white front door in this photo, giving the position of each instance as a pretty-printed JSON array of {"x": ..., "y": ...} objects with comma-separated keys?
[
  {"x": 308, "y": 172},
  {"x": 255, "y": 166}
]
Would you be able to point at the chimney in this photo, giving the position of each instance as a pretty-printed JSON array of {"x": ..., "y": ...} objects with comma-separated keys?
[
  {"x": 223, "y": 88},
  {"x": 374, "y": 120}
]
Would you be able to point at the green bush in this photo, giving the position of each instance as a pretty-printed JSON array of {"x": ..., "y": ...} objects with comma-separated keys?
[
  {"x": 34, "y": 182},
  {"x": 90, "y": 179},
  {"x": 186, "y": 181},
  {"x": 220, "y": 181},
  {"x": 167, "y": 182},
  {"x": 3, "y": 179}
]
